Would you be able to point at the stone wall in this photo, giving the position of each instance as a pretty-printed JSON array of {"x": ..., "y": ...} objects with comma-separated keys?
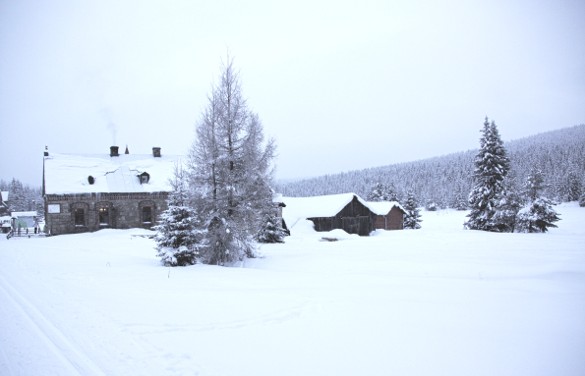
[{"x": 74, "y": 213}]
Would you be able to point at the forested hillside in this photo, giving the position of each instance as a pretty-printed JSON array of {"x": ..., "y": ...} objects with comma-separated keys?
[
  {"x": 447, "y": 180},
  {"x": 22, "y": 197}
]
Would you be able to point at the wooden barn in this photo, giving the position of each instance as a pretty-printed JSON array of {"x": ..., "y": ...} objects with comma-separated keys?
[
  {"x": 389, "y": 215},
  {"x": 346, "y": 211},
  {"x": 342, "y": 211}
]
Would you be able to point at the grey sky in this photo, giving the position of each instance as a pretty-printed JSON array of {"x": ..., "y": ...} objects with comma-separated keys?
[{"x": 340, "y": 85}]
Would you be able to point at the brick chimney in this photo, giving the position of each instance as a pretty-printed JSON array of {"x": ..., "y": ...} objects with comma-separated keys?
[
  {"x": 114, "y": 151},
  {"x": 156, "y": 152}
]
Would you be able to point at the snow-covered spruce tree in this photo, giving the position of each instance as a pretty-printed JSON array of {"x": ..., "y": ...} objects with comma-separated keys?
[
  {"x": 534, "y": 184},
  {"x": 178, "y": 236},
  {"x": 573, "y": 187},
  {"x": 509, "y": 204},
  {"x": 230, "y": 168},
  {"x": 382, "y": 192},
  {"x": 412, "y": 217},
  {"x": 537, "y": 217},
  {"x": 539, "y": 214},
  {"x": 491, "y": 166},
  {"x": 582, "y": 200},
  {"x": 272, "y": 231}
]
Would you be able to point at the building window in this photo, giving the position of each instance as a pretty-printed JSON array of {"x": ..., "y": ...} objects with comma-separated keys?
[
  {"x": 79, "y": 217},
  {"x": 144, "y": 178},
  {"x": 104, "y": 216},
  {"x": 147, "y": 214}
]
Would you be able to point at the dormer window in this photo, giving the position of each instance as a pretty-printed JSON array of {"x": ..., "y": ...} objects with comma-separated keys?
[
  {"x": 90, "y": 180},
  {"x": 144, "y": 178}
]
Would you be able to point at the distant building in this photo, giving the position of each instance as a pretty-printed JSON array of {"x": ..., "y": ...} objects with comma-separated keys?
[
  {"x": 24, "y": 219},
  {"x": 347, "y": 212},
  {"x": 91, "y": 192},
  {"x": 4, "y": 208},
  {"x": 388, "y": 215}
]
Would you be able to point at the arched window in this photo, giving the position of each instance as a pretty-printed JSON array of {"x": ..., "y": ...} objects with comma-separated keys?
[
  {"x": 104, "y": 214},
  {"x": 147, "y": 213},
  {"x": 79, "y": 213}
]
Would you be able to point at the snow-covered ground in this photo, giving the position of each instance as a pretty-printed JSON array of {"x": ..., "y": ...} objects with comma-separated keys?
[{"x": 436, "y": 301}]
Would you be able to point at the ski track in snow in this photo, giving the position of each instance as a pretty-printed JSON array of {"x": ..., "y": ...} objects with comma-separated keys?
[
  {"x": 278, "y": 317},
  {"x": 72, "y": 361}
]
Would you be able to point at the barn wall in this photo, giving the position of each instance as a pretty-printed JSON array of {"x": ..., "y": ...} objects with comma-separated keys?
[
  {"x": 395, "y": 219},
  {"x": 124, "y": 210}
]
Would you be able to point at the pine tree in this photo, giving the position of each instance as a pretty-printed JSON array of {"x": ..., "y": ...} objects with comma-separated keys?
[
  {"x": 230, "y": 173},
  {"x": 178, "y": 235},
  {"x": 537, "y": 217},
  {"x": 534, "y": 184},
  {"x": 574, "y": 187},
  {"x": 382, "y": 192},
  {"x": 412, "y": 217},
  {"x": 491, "y": 166},
  {"x": 539, "y": 214},
  {"x": 272, "y": 231},
  {"x": 509, "y": 204},
  {"x": 582, "y": 200}
]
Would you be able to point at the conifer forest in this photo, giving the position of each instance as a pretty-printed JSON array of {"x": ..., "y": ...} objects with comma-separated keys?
[{"x": 446, "y": 181}]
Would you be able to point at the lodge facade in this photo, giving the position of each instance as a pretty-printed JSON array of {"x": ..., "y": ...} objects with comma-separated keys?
[{"x": 85, "y": 193}]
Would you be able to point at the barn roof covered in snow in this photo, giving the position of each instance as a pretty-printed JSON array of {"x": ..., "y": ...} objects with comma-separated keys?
[
  {"x": 125, "y": 173},
  {"x": 384, "y": 207},
  {"x": 300, "y": 208}
]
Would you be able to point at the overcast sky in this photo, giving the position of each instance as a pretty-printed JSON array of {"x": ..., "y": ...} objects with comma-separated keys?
[{"x": 340, "y": 85}]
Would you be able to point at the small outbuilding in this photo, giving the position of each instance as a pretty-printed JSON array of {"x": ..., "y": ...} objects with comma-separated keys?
[
  {"x": 388, "y": 215},
  {"x": 345, "y": 211}
]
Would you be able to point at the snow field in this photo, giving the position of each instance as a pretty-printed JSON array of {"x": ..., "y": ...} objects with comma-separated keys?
[{"x": 435, "y": 301}]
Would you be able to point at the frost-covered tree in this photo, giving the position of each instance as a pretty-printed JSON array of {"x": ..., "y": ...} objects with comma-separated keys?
[
  {"x": 534, "y": 184},
  {"x": 582, "y": 200},
  {"x": 230, "y": 168},
  {"x": 272, "y": 231},
  {"x": 179, "y": 235},
  {"x": 491, "y": 166},
  {"x": 459, "y": 202},
  {"x": 412, "y": 217},
  {"x": 572, "y": 189},
  {"x": 539, "y": 214},
  {"x": 382, "y": 192},
  {"x": 508, "y": 206}
]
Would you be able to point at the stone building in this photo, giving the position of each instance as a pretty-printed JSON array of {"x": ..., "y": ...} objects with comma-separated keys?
[{"x": 85, "y": 193}]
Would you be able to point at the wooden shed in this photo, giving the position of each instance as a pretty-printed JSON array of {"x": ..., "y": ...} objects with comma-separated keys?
[
  {"x": 344, "y": 211},
  {"x": 388, "y": 215}
]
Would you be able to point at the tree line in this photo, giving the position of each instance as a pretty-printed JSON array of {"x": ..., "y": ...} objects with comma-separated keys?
[
  {"x": 446, "y": 181},
  {"x": 21, "y": 197}
]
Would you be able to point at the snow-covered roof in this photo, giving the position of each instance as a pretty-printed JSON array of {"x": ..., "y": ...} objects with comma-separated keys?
[
  {"x": 4, "y": 195},
  {"x": 22, "y": 214},
  {"x": 68, "y": 173},
  {"x": 299, "y": 208},
  {"x": 320, "y": 206},
  {"x": 383, "y": 207}
]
